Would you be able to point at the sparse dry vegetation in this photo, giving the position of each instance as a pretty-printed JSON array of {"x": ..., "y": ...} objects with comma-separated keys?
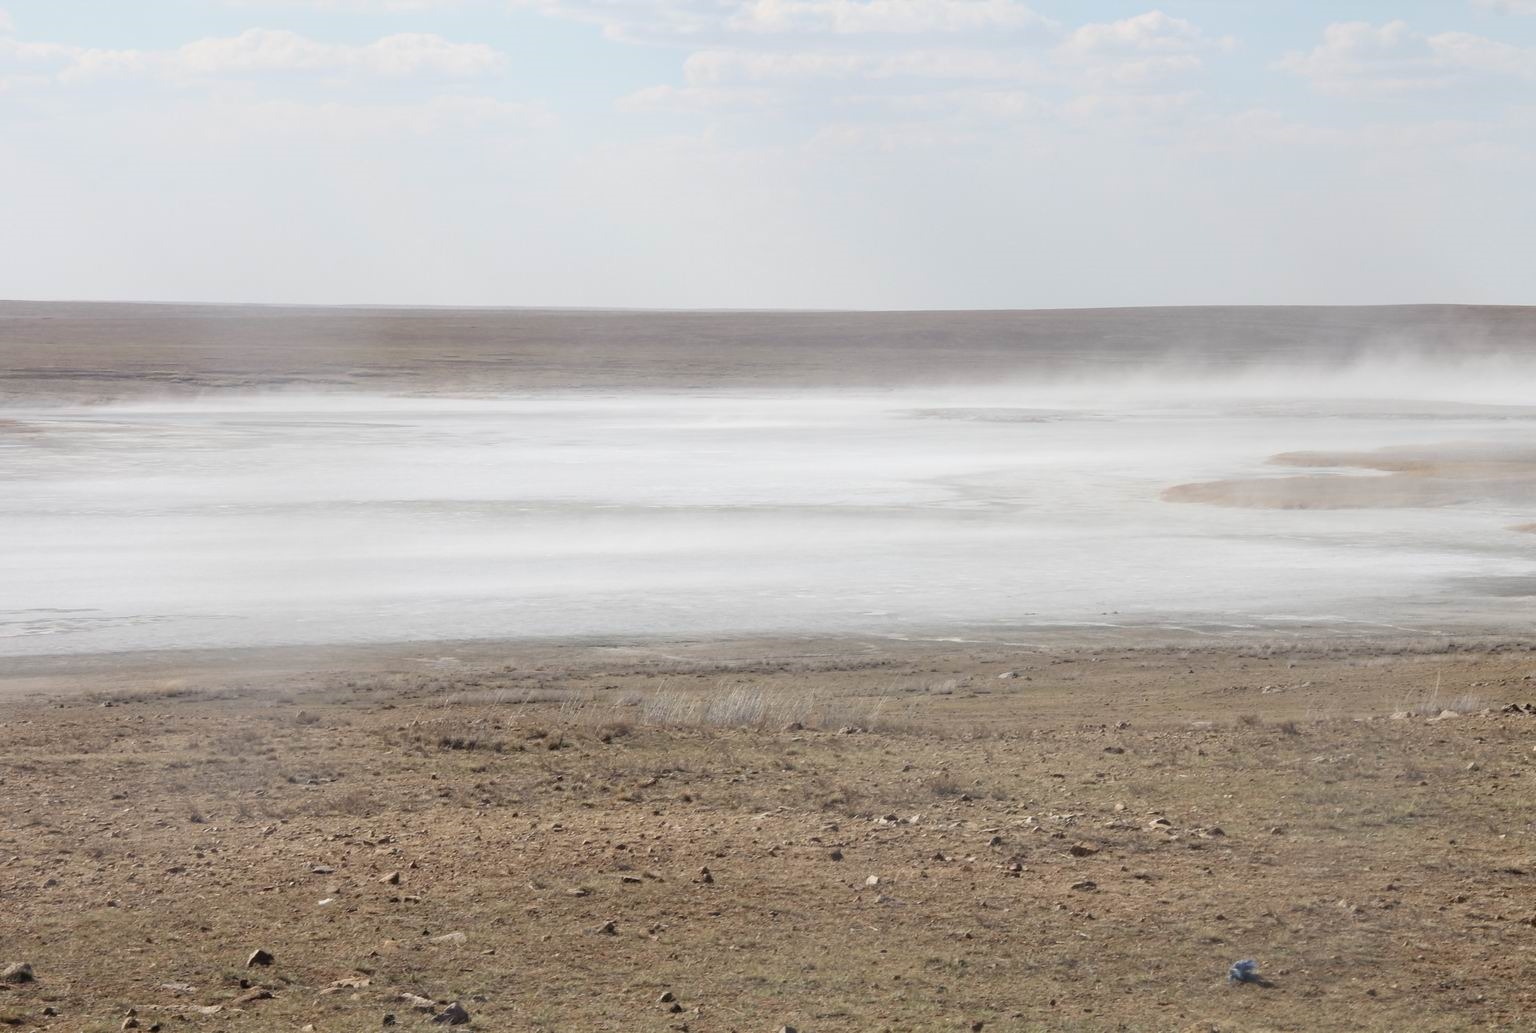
[{"x": 1085, "y": 846}]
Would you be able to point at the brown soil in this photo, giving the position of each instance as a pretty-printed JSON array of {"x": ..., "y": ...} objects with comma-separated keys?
[
  {"x": 94, "y": 352},
  {"x": 1424, "y": 476},
  {"x": 1085, "y": 845}
]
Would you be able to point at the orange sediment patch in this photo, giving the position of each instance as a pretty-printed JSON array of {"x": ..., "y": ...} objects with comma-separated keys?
[
  {"x": 1315, "y": 493},
  {"x": 1415, "y": 477}
]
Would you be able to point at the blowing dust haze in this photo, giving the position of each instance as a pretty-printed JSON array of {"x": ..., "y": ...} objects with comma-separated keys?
[{"x": 1391, "y": 488}]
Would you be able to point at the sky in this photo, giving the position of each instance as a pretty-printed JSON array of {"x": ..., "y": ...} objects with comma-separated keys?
[{"x": 888, "y": 154}]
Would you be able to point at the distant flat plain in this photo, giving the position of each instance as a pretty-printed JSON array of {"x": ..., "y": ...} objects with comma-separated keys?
[{"x": 83, "y": 351}]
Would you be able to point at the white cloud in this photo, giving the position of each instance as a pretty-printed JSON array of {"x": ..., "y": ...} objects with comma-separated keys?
[
  {"x": 1509, "y": 6},
  {"x": 1358, "y": 58},
  {"x": 848, "y": 17},
  {"x": 6, "y": 25},
  {"x": 263, "y": 50},
  {"x": 902, "y": 59},
  {"x": 714, "y": 21},
  {"x": 254, "y": 51},
  {"x": 716, "y": 67},
  {"x": 1150, "y": 33},
  {"x": 355, "y": 6}
]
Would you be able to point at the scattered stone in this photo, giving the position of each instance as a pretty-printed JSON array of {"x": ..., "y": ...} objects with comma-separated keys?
[
  {"x": 1082, "y": 850},
  {"x": 417, "y": 1002},
  {"x": 1159, "y": 823},
  {"x": 1474, "y": 766},
  {"x": 258, "y": 957},
  {"x": 21, "y": 972},
  {"x": 632, "y": 880},
  {"x": 873, "y": 880},
  {"x": 453, "y": 1015},
  {"x": 609, "y": 928},
  {"x": 1117, "y": 750},
  {"x": 179, "y": 988},
  {"x": 130, "y": 1022},
  {"x": 836, "y": 855},
  {"x": 389, "y": 1020},
  {"x": 322, "y": 869},
  {"x": 454, "y": 938},
  {"x": 667, "y": 997},
  {"x": 787, "y": 1029},
  {"x": 1086, "y": 886},
  {"x": 392, "y": 879},
  {"x": 256, "y": 993}
]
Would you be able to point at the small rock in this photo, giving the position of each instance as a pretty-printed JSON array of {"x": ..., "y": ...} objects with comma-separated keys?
[
  {"x": 836, "y": 855},
  {"x": 873, "y": 880},
  {"x": 609, "y": 928},
  {"x": 1082, "y": 850},
  {"x": 417, "y": 1002},
  {"x": 322, "y": 869},
  {"x": 130, "y": 1023},
  {"x": 21, "y": 972},
  {"x": 453, "y": 1015},
  {"x": 258, "y": 957},
  {"x": 787, "y": 1029},
  {"x": 253, "y": 995},
  {"x": 389, "y": 1020},
  {"x": 667, "y": 997},
  {"x": 1474, "y": 766},
  {"x": 1086, "y": 886},
  {"x": 392, "y": 879}
]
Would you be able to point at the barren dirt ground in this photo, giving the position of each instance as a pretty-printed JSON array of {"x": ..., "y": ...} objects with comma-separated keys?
[{"x": 962, "y": 838}]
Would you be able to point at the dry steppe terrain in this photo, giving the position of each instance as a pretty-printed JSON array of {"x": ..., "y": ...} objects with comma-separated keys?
[
  {"x": 828, "y": 838},
  {"x": 94, "y": 352}
]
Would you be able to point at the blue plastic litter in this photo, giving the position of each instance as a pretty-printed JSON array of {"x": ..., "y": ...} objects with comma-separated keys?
[{"x": 1245, "y": 971}]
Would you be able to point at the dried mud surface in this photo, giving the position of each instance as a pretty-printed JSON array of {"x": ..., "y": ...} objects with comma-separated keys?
[{"x": 907, "y": 838}]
